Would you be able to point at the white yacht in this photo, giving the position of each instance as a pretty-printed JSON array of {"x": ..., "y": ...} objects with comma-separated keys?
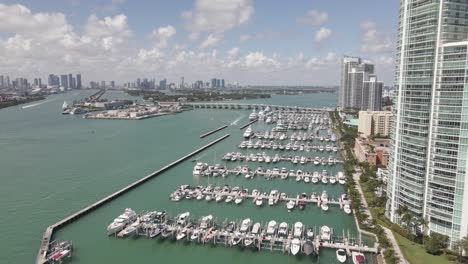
[
  {"x": 347, "y": 209},
  {"x": 298, "y": 229},
  {"x": 245, "y": 225},
  {"x": 325, "y": 233},
  {"x": 198, "y": 169},
  {"x": 272, "y": 198},
  {"x": 121, "y": 221},
  {"x": 295, "y": 246},
  {"x": 324, "y": 196},
  {"x": 182, "y": 219},
  {"x": 283, "y": 229},
  {"x": 253, "y": 116},
  {"x": 271, "y": 228},
  {"x": 248, "y": 134},
  {"x": 290, "y": 205},
  {"x": 341, "y": 255}
]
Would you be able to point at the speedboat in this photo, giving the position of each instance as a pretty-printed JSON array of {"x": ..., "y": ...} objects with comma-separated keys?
[
  {"x": 283, "y": 229},
  {"x": 239, "y": 199},
  {"x": 271, "y": 228},
  {"x": 156, "y": 231},
  {"x": 121, "y": 221},
  {"x": 341, "y": 255},
  {"x": 198, "y": 169},
  {"x": 290, "y": 205},
  {"x": 310, "y": 233},
  {"x": 332, "y": 180},
  {"x": 324, "y": 179},
  {"x": 209, "y": 235},
  {"x": 182, "y": 232},
  {"x": 295, "y": 246},
  {"x": 237, "y": 238},
  {"x": 347, "y": 209},
  {"x": 306, "y": 179},
  {"x": 358, "y": 258},
  {"x": 325, "y": 233},
  {"x": 245, "y": 225},
  {"x": 298, "y": 229},
  {"x": 259, "y": 201},
  {"x": 324, "y": 196},
  {"x": 272, "y": 197},
  {"x": 167, "y": 231},
  {"x": 229, "y": 199},
  {"x": 182, "y": 219},
  {"x": 315, "y": 177},
  {"x": 253, "y": 116},
  {"x": 249, "y": 239},
  {"x": 205, "y": 221},
  {"x": 324, "y": 206}
]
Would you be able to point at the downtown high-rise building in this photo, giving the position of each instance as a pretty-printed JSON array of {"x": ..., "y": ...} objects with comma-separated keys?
[
  {"x": 428, "y": 160},
  {"x": 359, "y": 87},
  {"x": 78, "y": 81}
]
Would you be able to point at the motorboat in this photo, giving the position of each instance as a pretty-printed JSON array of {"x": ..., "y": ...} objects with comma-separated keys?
[
  {"x": 325, "y": 233},
  {"x": 248, "y": 134},
  {"x": 271, "y": 228},
  {"x": 182, "y": 219},
  {"x": 167, "y": 231},
  {"x": 121, "y": 221},
  {"x": 219, "y": 197},
  {"x": 298, "y": 230},
  {"x": 310, "y": 233},
  {"x": 324, "y": 206},
  {"x": 358, "y": 257},
  {"x": 198, "y": 169},
  {"x": 249, "y": 239},
  {"x": 129, "y": 230},
  {"x": 290, "y": 205},
  {"x": 205, "y": 222},
  {"x": 209, "y": 235},
  {"x": 237, "y": 238},
  {"x": 341, "y": 255},
  {"x": 253, "y": 116},
  {"x": 295, "y": 246},
  {"x": 245, "y": 225},
  {"x": 283, "y": 229},
  {"x": 272, "y": 198},
  {"x": 347, "y": 209},
  {"x": 195, "y": 235},
  {"x": 315, "y": 177},
  {"x": 156, "y": 231},
  {"x": 182, "y": 232},
  {"x": 324, "y": 196},
  {"x": 332, "y": 180},
  {"x": 229, "y": 199},
  {"x": 259, "y": 201},
  {"x": 308, "y": 247},
  {"x": 306, "y": 179},
  {"x": 239, "y": 199},
  {"x": 324, "y": 179}
]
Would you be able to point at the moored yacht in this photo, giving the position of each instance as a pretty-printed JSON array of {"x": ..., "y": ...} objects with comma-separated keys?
[
  {"x": 121, "y": 221},
  {"x": 295, "y": 246}
]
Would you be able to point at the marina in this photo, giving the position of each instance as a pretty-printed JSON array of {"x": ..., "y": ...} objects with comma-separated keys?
[
  {"x": 292, "y": 239},
  {"x": 296, "y": 160}
]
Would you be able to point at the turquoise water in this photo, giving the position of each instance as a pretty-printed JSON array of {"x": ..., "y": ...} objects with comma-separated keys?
[{"x": 53, "y": 165}]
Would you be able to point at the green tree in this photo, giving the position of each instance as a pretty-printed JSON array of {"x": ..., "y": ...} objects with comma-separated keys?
[{"x": 435, "y": 243}]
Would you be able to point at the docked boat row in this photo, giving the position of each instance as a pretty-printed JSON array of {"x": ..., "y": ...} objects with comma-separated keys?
[
  {"x": 294, "y": 239},
  {"x": 203, "y": 169},
  {"x": 297, "y": 120},
  {"x": 263, "y": 157},
  {"x": 294, "y": 146},
  {"x": 331, "y": 137},
  {"x": 59, "y": 252},
  {"x": 237, "y": 195}
]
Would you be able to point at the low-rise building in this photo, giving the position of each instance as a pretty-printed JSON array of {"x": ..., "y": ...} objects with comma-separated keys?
[
  {"x": 375, "y": 153},
  {"x": 375, "y": 123}
]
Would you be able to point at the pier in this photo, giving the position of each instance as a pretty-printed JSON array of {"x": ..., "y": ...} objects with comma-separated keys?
[
  {"x": 213, "y": 131},
  {"x": 248, "y": 124},
  {"x": 47, "y": 236}
]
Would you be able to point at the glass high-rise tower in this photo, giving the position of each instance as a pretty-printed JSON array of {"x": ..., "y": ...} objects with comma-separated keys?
[{"x": 428, "y": 158}]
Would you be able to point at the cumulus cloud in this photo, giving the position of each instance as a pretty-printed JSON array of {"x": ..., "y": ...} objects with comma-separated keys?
[
  {"x": 322, "y": 34},
  {"x": 373, "y": 40},
  {"x": 162, "y": 35},
  {"x": 218, "y": 16},
  {"x": 314, "y": 17},
  {"x": 244, "y": 37}
]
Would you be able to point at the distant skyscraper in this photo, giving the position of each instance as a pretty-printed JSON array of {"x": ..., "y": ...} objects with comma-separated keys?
[
  {"x": 163, "y": 84},
  {"x": 222, "y": 83},
  {"x": 53, "y": 80},
  {"x": 112, "y": 84},
  {"x": 103, "y": 84},
  {"x": 64, "y": 81},
  {"x": 2, "y": 81},
  {"x": 7, "y": 81},
  {"x": 354, "y": 73},
  {"x": 428, "y": 163},
  {"x": 70, "y": 81},
  {"x": 78, "y": 81},
  {"x": 213, "y": 83},
  {"x": 182, "y": 82}
]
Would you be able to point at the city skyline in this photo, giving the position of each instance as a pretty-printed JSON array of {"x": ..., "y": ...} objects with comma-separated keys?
[{"x": 241, "y": 41}]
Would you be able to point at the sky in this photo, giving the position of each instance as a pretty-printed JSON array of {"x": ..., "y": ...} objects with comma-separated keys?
[{"x": 250, "y": 42}]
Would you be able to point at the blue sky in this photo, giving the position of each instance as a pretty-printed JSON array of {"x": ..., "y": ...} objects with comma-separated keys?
[{"x": 253, "y": 42}]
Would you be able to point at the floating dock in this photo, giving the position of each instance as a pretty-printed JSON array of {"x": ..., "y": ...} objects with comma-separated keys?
[
  {"x": 248, "y": 124},
  {"x": 213, "y": 131},
  {"x": 47, "y": 236}
]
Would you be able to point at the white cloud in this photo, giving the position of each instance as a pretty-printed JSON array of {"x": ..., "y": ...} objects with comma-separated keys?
[
  {"x": 218, "y": 16},
  {"x": 374, "y": 41},
  {"x": 318, "y": 62},
  {"x": 163, "y": 34},
  {"x": 314, "y": 17},
  {"x": 322, "y": 34},
  {"x": 260, "y": 61},
  {"x": 211, "y": 41},
  {"x": 244, "y": 37}
]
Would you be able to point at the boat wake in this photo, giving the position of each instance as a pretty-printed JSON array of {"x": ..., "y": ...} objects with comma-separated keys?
[
  {"x": 235, "y": 122},
  {"x": 36, "y": 104}
]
